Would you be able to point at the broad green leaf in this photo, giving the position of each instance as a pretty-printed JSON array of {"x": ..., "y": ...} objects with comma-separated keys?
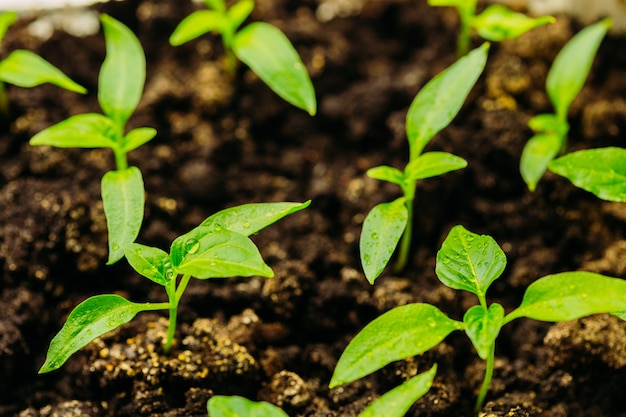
[
  {"x": 137, "y": 137},
  {"x": 248, "y": 219},
  {"x": 208, "y": 253},
  {"x": 239, "y": 12},
  {"x": 268, "y": 52},
  {"x": 396, "y": 403},
  {"x": 382, "y": 229},
  {"x": 570, "y": 296},
  {"x": 537, "y": 154},
  {"x": 498, "y": 22},
  {"x": 482, "y": 326},
  {"x": 432, "y": 164},
  {"x": 6, "y": 20},
  {"x": 572, "y": 65},
  {"x": 197, "y": 24},
  {"x": 400, "y": 333},
  {"x": 440, "y": 100},
  {"x": 152, "y": 263},
  {"x": 90, "y": 319},
  {"x": 123, "y": 72},
  {"x": 123, "y": 198},
  {"x": 89, "y": 130},
  {"x": 387, "y": 173},
  {"x": 470, "y": 262},
  {"x": 235, "y": 406},
  {"x": 600, "y": 171},
  {"x": 26, "y": 69}
]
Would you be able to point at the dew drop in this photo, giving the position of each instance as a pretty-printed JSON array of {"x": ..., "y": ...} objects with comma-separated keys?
[
  {"x": 112, "y": 323},
  {"x": 89, "y": 332},
  {"x": 115, "y": 246},
  {"x": 138, "y": 251},
  {"x": 192, "y": 246},
  {"x": 217, "y": 227},
  {"x": 246, "y": 225},
  {"x": 469, "y": 238},
  {"x": 446, "y": 260},
  {"x": 374, "y": 235}
]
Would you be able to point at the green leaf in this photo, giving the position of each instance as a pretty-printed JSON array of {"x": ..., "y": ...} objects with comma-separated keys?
[
  {"x": 382, "y": 229},
  {"x": 400, "y": 333},
  {"x": 90, "y": 319},
  {"x": 572, "y": 65},
  {"x": 235, "y": 406},
  {"x": 89, "y": 130},
  {"x": 137, "y": 137},
  {"x": 219, "y": 5},
  {"x": 152, "y": 263},
  {"x": 470, "y": 262},
  {"x": 268, "y": 52},
  {"x": 450, "y": 3},
  {"x": 6, "y": 20},
  {"x": 498, "y": 22},
  {"x": 26, "y": 69},
  {"x": 208, "y": 253},
  {"x": 440, "y": 100},
  {"x": 239, "y": 12},
  {"x": 123, "y": 198},
  {"x": 570, "y": 296},
  {"x": 432, "y": 164},
  {"x": 396, "y": 403},
  {"x": 537, "y": 154},
  {"x": 197, "y": 24},
  {"x": 482, "y": 326},
  {"x": 247, "y": 219},
  {"x": 123, "y": 72},
  {"x": 600, "y": 171},
  {"x": 549, "y": 123},
  {"x": 620, "y": 314},
  {"x": 387, "y": 173}
]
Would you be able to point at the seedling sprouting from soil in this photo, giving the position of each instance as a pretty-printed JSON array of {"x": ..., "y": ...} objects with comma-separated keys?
[
  {"x": 235, "y": 406},
  {"x": 469, "y": 262},
  {"x": 565, "y": 80},
  {"x": 261, "y": 46},
  {"x": 120, "y": 85},
  {"x": 496, "y": 23},
  {"x": 27, "y": 69},
  {"x": 432, "y": 109},
  {"x": 218, "y": 248}
]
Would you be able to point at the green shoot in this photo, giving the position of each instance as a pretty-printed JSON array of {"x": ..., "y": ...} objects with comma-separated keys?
[
  {"x": 261, "y": 46},
  {"x": 432, "y": 109},
  {"x": 120, "y": 85},
  {"x": 217, "y": 248},
  {"x": 468, "y": 262},
  {"x": 235, "y": 406},
  {"x": 565, "y": 80}
]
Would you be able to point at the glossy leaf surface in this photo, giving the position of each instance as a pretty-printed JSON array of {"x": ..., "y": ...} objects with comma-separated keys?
[
  {"x": 153, "y": 263},
  {"x": 197, "y": 24},
  {"x": 482, "y": 326},
  {"x": 497, "y": 23},
  {"x": 235, "y": 406},
  {"x": 432, "y": 164},
  {"x": 89, "y": 130}
]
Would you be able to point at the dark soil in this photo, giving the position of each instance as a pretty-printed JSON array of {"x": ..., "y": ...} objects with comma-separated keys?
[{"x": 223, "y": 143}]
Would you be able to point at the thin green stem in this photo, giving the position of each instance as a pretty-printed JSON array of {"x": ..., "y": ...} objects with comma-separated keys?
[
  {"x": 487, "y": 380},
  {"x": 405, "y": 242},
  {"x": 155, "y": 306},
  {"x": 466, "y": 13},
  {"x": 121, "y": 162},
  {"x": 174, "y": 294}
]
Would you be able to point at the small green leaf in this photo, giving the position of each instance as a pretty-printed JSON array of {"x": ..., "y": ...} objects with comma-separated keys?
[
  {"x": 387, "y": 173},
  {"x": 572, "y": 65},
  {"x": 6, "y": 20},
  {"x": 433, "y": 164},
  {"x": 208, "y": 253},
  {"x": 123, "y": 72},
  {"x": 440, "y": 100},
  {"x": 137, "y": 137},
  {"x": 549, "y": 123},
  {"x": 268, "y": 52},
  {"x": 197, "y": 24},
  {"x": 89, "y": 130},
  {"x": 396, "y": 403},
  {"x": 400, "y": 333},
  {"x": 90, "y": 319},
  {"x": 248, "y": 219},
  {"x": 570, "y": 296},
  {"x": 600, "y": 171},
  {"x": 470, "y": 262},
  {"x": 152, "y": 263},
  {"x": 26, "y": 69},
  {"x": 219, "y": 5},
  {"x": 239, "y": 12},
  {"x": 482, "y": 326},
  {"x": 123, "y": 198},
  {"x": 537, "y": 154},
  {"x": 235, "y": 406},
  {"x": 382, "y": 229},
  {"x": 498, "y": 22}
]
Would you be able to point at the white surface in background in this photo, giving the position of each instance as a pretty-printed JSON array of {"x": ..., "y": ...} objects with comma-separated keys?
[{"x": 30, "y": 5}]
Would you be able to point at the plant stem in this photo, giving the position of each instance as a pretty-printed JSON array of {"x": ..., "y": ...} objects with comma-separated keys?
[
  {"x": 405, "y": 242},
  {"x": 174, "y": 294},
  {"x": 466, "y": 14},
  {"x": 120, "y": 158},
  {"x": 487, "y": 380}
]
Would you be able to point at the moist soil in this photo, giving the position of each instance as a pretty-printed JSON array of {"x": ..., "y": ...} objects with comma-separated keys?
[{"x": 224, "y": 141}]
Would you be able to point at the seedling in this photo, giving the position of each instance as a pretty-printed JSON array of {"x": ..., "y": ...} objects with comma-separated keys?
[
  {"x": 469, "y": 262},
  {"x": 261, "y": 46},
  {"x": 496, "y": 23},
  {"x": 218, "y": 248},
  {"x": 120, "y": 85},
  {"x": 432, "y": 109},
  {"x": 235, "y": 406},
  {"x": 27, "y": 69},
  {"x": 565, "y": 80}
]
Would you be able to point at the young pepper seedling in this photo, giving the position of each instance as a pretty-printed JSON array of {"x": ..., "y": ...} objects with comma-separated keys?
[
  {"x": 468, "y": 262},
  {"x": 261, "y": 46}
]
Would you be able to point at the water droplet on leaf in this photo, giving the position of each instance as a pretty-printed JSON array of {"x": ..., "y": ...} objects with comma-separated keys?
[{"x": 192, "y": 246}]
